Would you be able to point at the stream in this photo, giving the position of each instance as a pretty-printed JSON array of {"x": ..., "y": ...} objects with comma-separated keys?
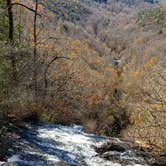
[{"x": 58, "y": 145}]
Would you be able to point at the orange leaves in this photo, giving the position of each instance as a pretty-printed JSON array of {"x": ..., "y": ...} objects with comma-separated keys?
[
  {"x": 111, "y": 71},
  {"x": 95, "y": 60},
  {"x": 94, "y": 99},
  {"x": 112, "y": 78},
  {"x": 75, "y": 48},
  {"x": 78, "y": 48}
]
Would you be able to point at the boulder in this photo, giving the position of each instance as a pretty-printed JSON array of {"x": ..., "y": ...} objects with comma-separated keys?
[
  {"x": 116, "y": 144},
  {"x": 122, "y": 151}
]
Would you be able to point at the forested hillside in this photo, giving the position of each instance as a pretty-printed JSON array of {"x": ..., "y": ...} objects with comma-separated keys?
[{"x": 100, "y": 64}]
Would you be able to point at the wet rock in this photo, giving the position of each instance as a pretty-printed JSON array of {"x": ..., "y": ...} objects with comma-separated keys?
[
  {"x": 116, "y": 144},
  {"x": 126, "y": 158},
  {"x": 111, "y": 156},
  {"x": 160, "y": 160},
  {"x": 121, "y": 151},
  {"x": 143, "y": 154},
  {"x": 125, "y": 152},
  {"x": 10, "y": 164},
  {"x": 62, "y": 164}
]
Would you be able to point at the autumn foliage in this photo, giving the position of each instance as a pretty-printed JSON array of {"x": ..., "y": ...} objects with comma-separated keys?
[{"x": 99, "y": 66}]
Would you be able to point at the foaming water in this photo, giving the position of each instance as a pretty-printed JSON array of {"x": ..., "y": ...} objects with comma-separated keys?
[{"x": 58, "y": 145}]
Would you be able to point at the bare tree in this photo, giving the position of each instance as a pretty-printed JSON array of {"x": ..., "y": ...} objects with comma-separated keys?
[
  {"x": 11, "y": 37},
  {"x": 47, "y": 67}
]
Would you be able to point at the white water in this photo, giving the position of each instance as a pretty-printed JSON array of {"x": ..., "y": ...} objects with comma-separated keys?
[
  {"x": 57, "y": 145},
  {"x": 78, "y": 144}
]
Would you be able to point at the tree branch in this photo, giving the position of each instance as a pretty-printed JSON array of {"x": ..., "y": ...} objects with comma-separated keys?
[
  {"x": 49, "y": 64},
  {"x": 30, "y": 9}
]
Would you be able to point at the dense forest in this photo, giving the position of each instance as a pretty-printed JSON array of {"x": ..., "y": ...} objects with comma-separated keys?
[{"x": 99, "y": 64}]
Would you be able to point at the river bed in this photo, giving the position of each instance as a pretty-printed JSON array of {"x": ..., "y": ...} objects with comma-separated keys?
[{"x": 58, "y": 145}]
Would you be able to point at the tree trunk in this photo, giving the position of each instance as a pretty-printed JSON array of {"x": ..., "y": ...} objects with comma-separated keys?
[
  {"x": 11, "y": 23},
  {"x": 10, "y": 38},
  {"x": 35, "y": 49}
]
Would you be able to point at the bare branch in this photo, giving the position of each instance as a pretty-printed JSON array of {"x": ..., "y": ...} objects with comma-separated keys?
[
  {"x": 30, "y": 9},
  {"x": 49, "y": 64}
]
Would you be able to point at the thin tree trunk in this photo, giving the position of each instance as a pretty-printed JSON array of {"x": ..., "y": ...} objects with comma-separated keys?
[
  {"x": 11, "y": 23},
  {"x": 10, "y": 37},
  {"x": 20, "y": 13},
  {"x": 35, "y": 49}
]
